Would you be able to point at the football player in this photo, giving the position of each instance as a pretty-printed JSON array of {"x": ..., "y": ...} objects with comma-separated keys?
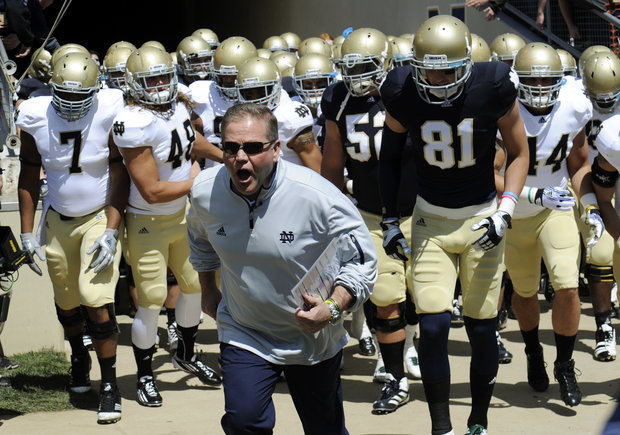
[
  {"x": 354, "y": 114},
  {"x": 213, "y": 97},
  {"x": 555, "y": 117},
  {"x": 114, "y": 67},
  {"x": 259, "y": 81},
  {"x": 68, "y": 135},
  {"x": 601, "y": 82},
  {"x": 195, "y": 59},
  {"x": 504, "y": 47},
  {"x": 39, "y": 74},
  {"x": 155, "y": 137},
  {"x": 452, "y": 109}
]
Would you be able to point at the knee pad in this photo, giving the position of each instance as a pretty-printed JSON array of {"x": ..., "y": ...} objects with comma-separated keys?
[
  {"x": 103, "y": 330},
  {"x": 391, "y": 325},
  {"x": 69, "y": 320},
  {"x": 599, "y": 273}
]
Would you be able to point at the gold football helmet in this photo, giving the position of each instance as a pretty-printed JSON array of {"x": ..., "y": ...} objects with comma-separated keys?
[
  {"x": 74, "y": 84},
  {"x": 480, "y": 50},
  {"x": 285, "y": 61},
  {"x": 407, "y": 36},
  {"x": 258, "y": 81},
  {"x": 275, "y": 43},
  {"x": 120, "y": 44},
  {"x": 227, "y": 59},
  {"x": 263, "y": 52},
  {"x": 538, "y": 60},
  {"x": 151, "y": 76},
  {"x": 41, "y": 67},
  {"x": 402, "y": 51},
  {"x": 66, "y": 49},
  {"x": 569, "y": 64},
  {"x": 601, "y": 80},
  {"x": 155, "y": 44},
  {"x": 209, "y": 36},
  {"x": 366, "y": 59},
  {"x": 292, "y": 40},
  {"x": 313, "y": 74},
  {"x": 114, "y": 67},
  {"x": 504, "y": 47},
  {"x": 442, "y": 43},
  {"x": 195, "y": 57},
  {"x": 314, "y": 45},
  {"x": 589, "y": 52}
]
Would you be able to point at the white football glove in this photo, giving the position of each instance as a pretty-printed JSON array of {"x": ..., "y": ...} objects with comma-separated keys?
[
  {"x": 555, "y": 197},
  {"x": 496, "y": 226},
  {"x": 394, "y": 242},
  {"x": 595, "y": 222},
  {"x": 30, "y": 245},
  {"x": 106, "y": 243}
]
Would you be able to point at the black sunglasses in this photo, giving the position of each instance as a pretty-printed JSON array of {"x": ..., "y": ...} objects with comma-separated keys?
[{"x": 247, "y": 147}]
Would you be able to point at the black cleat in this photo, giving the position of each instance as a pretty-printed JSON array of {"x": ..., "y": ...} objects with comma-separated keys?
[
  {"x": 564, "y": 373},
  {"x": 504, "y": 357},
  {"x": 109, "y": 404},
  {"x": 457, "y": 315},
  {"x": 536, "y": 372},
  {"x": 79, "y": 382},
  {"x": 367, "y": 346},
  {"x": 148, "y": 395},
  {"x": 196, "y": 367}
]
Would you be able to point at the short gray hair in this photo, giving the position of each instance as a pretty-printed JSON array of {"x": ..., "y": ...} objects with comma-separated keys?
[{"x": 251, "y": 110}]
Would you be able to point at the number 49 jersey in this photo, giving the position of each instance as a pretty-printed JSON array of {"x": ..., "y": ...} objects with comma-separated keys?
[
  {"x": 550, "y": 139},
  {"x": 74, "y": 154},
  {"x": 170, "y": 137},
  {"x": 454, "y": 143}
]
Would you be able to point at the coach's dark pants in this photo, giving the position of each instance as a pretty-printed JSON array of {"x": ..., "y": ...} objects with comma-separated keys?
[{"x": 249, "y": 382}]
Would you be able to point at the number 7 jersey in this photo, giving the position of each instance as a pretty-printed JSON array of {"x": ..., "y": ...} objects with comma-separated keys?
[
  {"x": 170, "y": 137},
  {"x": 454, "y": 143},
  {"x": 74, "y": 154}
]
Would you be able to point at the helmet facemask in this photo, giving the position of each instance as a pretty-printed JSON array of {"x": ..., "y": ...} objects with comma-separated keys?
[
  {"x": 362, "y": 75},
  {"x": 266, "y": 93},
  {"x": 440, "y": 94},
  {"x": 227, "y": 87},
  {"x": 540, "y": 96},
  {"x": 312, "y": 94},
  {"x": 71, "y": 101},
  {"x": 198, "y": 65},
  {"x": 142, "y": 88}
]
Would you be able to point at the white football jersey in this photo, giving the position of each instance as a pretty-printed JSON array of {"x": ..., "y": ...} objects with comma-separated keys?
[
  {"x": 551, "y": 136},
  {"x": 170, "y": 137},
  {"x": 607, "y": 143},
  {"x": 74, "y": 154},
  {"x": 293, "y": 117},
  {"x": 210, "y": 106}
]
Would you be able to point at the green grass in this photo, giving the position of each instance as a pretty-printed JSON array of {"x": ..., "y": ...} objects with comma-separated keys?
[{"x": 40, "y": 384}]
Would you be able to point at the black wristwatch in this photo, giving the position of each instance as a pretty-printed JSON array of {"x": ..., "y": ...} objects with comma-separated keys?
[{"x": 334, "y": 309}]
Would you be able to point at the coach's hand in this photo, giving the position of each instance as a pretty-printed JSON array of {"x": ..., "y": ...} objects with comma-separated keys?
[
  {"x": 106, "y": 244},
  {"x": 496, "y": 226},
  {"x": 317, "y": 317},
  {"x": 394, "y": 242}
]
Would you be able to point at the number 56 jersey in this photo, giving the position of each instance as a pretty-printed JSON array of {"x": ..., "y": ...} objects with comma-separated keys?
[
  {"x": 170, "y": 136},
  {"x": 74, "y": 154},
  {"x": 454, "y": 142}
]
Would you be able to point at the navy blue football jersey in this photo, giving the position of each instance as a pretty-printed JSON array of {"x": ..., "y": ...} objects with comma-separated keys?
[
  {"x": 360, "y": 123},
  {"x": 454, "y": 143}
]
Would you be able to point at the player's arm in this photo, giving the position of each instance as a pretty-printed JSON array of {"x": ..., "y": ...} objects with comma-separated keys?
[
  {"x": 393, "y": 141},
  {"x": 28, "y": 185},
  {"x": 119, "y": 186},
  {"x": 306, "y": 148},
  {"x": 498, "y": 165},
  {"x": 517, "y": 153},
  {"x": 580, "y": 172},
  {"x": 604, "y": 179},
  {"x": 332, "y": 164},
  {"x": 142, "y": 168}
]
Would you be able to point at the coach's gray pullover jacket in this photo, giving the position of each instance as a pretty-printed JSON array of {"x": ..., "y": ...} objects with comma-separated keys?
[{"x": 265, "y": 248}]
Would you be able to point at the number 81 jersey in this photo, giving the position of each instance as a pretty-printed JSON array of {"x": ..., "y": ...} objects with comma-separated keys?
[
  {"x": 454, "y": 142},
  {"x": 170, "y": 136},
  {"x": 74, "y": 154}
]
